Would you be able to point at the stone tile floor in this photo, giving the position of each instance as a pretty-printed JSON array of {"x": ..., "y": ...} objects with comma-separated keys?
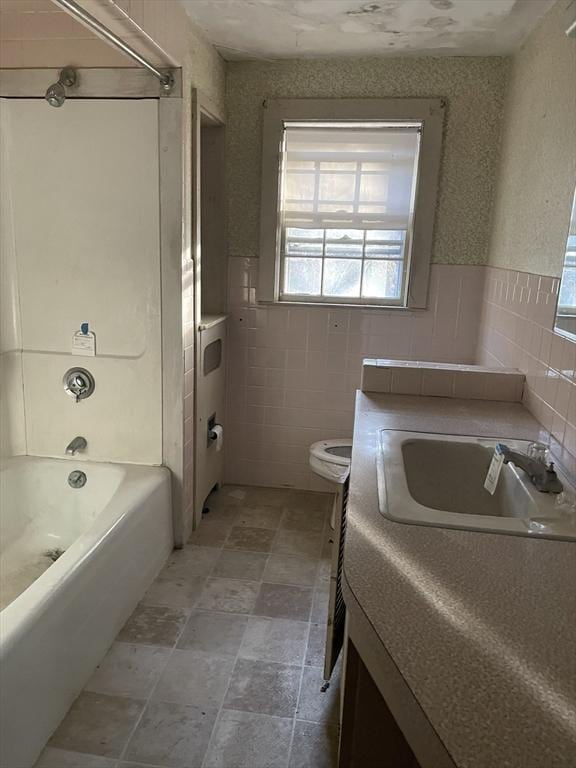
[{"x": 220, "y": 665}]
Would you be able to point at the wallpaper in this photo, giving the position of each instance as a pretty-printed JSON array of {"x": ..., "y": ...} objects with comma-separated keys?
[
  {"x": 474, "y": 89},
  {"x": 538, "y": 167}
]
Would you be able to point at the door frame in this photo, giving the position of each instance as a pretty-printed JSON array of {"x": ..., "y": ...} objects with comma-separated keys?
[
  {"x": 137, "y": 83},
  {"x": 202, "y": 107}
]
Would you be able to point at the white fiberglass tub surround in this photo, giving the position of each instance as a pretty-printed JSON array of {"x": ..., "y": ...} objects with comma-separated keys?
[{"x": 60, "y": 617}]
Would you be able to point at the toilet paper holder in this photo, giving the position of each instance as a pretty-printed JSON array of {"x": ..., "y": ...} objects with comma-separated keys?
[{"x": 212, "y": 433}]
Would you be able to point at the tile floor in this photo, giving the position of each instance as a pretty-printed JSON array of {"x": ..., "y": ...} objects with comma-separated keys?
[{"x": 220, "y": 665}]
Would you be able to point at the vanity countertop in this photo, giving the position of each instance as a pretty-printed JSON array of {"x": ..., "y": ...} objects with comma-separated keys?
[{"x": 481, "y": 626}]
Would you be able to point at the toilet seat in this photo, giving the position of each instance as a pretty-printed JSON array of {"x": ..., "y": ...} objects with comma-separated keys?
[
  {"x": 333, "y": 451},
  {"x": 331, "y": 459}
]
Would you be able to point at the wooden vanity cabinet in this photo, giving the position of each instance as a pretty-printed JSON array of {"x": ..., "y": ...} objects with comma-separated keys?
[{"x": 370, "y": 736}]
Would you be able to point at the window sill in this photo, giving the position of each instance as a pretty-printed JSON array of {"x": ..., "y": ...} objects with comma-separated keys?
[{"x": 340, "y": 305}]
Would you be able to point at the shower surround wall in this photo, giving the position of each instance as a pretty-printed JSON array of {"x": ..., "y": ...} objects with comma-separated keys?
[
  {"x": 82, "y": 246},
  {"x": 12, "y": 425},
  {"x": 531, "y": 219},
  {"x": 293, "y": 371}
]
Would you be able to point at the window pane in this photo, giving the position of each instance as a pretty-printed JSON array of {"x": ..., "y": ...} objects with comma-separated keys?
[
  {"x": 383, "y": 251},
  {"x": 345, "y": 234},
  {"x": 380, "y": 210},
  {"x": 382, "y": 280},
  {"x": 299, "y": 186},
  {"x": 366, "y": 166},
  {"x": 302, "y": 165},
  {"x": 298, "y": 205},
  {"x": 309, "y": 234},
  {"x": 337, "y": 186},
  {"x": 302, "y": 276},
  {"x": 352, "y": 250},
  {"x": 567, "y": 296},
  {"x": 338, "y": 166},
  {"x": 385, "y": 234},
  {"x": 299, "y": 248},
  {"x": 342, "y": 277},
  {"x": 336, "y": 207},
  {"x": 304, "y": 242},
  {"x": 374, "y": 188}
]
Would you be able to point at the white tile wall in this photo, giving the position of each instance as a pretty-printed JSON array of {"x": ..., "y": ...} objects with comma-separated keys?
[
  {"x": 403, "y": 377},
  {"x": 293, "y": 371},
  {"x": 518, "y": 312},
  {"x": 36, "y": 33}
]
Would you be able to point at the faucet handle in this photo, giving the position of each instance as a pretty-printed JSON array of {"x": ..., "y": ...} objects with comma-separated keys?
[{"x": 538, "y": 451}]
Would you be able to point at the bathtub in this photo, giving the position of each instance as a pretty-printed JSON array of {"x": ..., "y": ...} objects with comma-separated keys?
[{"x": 115, "y": 533}]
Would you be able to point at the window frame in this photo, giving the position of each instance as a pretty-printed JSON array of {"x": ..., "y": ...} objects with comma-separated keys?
[{"x": 428, "y": 112}]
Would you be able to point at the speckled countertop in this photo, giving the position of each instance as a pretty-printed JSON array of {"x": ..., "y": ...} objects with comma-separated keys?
[{"x": 481, "y": 626}]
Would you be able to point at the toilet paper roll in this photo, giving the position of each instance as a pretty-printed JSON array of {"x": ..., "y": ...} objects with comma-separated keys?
[{"x": 217, "y": 436}]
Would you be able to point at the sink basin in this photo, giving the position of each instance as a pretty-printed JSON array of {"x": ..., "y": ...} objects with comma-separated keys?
[{"x": 438, "y": 480}]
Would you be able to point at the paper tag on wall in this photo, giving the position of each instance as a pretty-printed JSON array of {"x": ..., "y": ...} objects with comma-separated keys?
[
  {"x": 84, "y": 343},
  {"x": 494, "y": 470}
]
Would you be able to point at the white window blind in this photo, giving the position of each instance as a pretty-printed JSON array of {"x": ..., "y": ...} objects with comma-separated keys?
[{"x": 346, "y": 204}]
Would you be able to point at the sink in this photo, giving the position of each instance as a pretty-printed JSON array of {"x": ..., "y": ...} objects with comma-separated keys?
[{"x": 438, "y": 480}]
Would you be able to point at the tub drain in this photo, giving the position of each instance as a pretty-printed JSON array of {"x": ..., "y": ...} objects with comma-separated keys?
[{"x": 77, "y": 479}]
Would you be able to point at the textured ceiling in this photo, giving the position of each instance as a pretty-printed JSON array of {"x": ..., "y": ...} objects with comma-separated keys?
[{"x": 271, "y": 29}]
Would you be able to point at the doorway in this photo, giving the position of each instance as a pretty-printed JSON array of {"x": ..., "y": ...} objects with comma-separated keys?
[{"x": 211, "y": 300}]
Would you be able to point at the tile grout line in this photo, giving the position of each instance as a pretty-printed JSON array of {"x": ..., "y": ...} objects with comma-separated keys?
[
  {"x": 154, "y": 687},
  {"x": 193, "y": 608},
  {"x": 218, "y": 716},
  {"x": 299, "y": 689},
  {"x": 237, "y": 657}
]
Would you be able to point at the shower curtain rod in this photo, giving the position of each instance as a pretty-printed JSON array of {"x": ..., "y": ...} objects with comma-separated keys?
[{"x": 166, "y": 78}]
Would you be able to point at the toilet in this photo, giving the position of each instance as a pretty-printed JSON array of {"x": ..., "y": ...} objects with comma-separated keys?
[{"x": 330, "y": 459}]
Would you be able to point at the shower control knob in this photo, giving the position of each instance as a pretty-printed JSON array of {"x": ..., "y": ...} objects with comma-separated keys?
[{"x": 78, "y": 383}]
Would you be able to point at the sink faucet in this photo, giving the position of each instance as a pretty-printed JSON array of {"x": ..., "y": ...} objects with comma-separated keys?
[
  {"x": 78, "y": 444},
  {"x": 542, "y": 476}
]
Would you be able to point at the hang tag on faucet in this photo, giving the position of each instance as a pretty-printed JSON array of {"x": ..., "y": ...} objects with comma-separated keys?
[
  {"x": 494, "y": 470},
  {"x": 84, "y": 342}
]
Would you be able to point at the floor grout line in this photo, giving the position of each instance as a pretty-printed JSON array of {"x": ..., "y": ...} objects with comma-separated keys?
[
  {"x": 299, "y": 693},
  {"x": 237, "y": 657},
  {"x": 217, "y": 721},
  {"x": 155, "y": 686},
  {"x": 193, "y": 609}
]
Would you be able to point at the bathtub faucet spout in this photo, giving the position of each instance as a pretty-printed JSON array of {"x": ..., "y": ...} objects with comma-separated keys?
[{"x": 78, "y": 444}]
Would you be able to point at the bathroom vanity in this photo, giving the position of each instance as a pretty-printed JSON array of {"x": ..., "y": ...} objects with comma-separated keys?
[{"x": 460, "y": 645}]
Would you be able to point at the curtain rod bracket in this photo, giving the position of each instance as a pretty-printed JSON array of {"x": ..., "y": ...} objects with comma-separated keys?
[
  {"x": 166, "y": 78},
  {"x": 167, "y": 83}
]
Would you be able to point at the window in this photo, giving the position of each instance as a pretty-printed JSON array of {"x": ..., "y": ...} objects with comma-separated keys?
[
  {"x": 567, "y": 297},
  {"x": 348, "y": 202},
  {"x": 345, "y": 209}
]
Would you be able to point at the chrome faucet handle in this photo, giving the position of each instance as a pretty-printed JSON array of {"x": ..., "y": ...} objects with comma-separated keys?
[
  {"x": 538, "y": 451},
  {"x": 78, "y": 383}
]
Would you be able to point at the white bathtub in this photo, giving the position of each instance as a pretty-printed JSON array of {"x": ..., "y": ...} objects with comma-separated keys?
[{"x": 116, "y": 532}]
